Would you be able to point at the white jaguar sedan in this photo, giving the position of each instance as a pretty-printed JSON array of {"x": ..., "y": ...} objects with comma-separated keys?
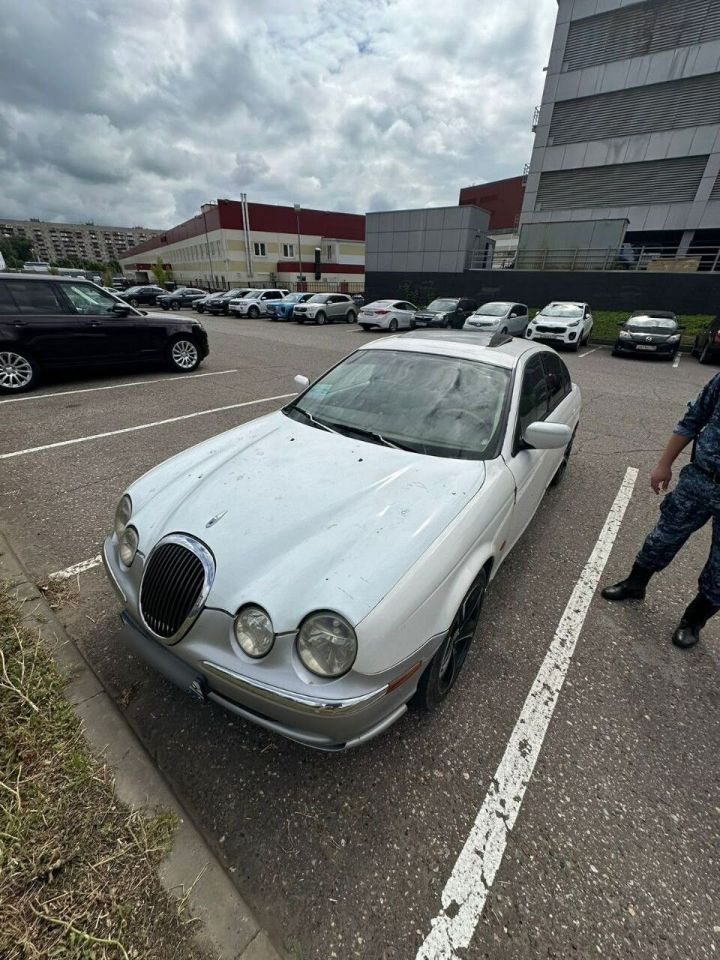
[{"x": 316, "y": 570}]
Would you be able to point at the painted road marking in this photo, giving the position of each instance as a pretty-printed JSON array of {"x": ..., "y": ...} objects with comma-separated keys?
[
  {"x": 465, "y": 893},
  {"x": 588, "y": 352},
  {"x": 676, "y": 361},
  {"x": 76, "y": 568},
  {"x": 117, "y": 386},
  {"x": 141, "y": 426}
]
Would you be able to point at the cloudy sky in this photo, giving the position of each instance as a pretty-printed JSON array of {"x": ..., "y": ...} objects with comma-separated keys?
[{"x": 136, "y": 111}]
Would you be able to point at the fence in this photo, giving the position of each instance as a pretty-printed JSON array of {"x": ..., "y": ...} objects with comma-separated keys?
[
  {"x": 309, "y": 286},
  {"x": 648, "y": 257}
]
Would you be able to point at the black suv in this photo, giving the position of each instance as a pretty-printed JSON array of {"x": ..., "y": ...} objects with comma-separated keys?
[
  {"x": 145, "y": 295},
  {"x": 445, "y": 312},
  {"x": 221, "y": 303},
  {"x": 707, "y": 343},
  {"x": 53, "y": 323},
  {"x": 180, "y": 297}
]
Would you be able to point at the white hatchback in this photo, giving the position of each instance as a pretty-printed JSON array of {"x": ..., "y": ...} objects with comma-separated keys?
[
  {"x": 499, "y": 316},
  {"x": 564, "y": 322},
  {"x": 387, "y": 315}
]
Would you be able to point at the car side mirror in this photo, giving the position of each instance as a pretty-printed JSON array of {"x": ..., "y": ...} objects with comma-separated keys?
[
  {"x": 121, "y": 309},
  {"x": 547, "y": 436},
  {"x": 301, "y": 382}
]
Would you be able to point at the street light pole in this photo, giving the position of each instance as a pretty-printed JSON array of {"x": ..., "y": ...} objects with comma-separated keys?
[
  {"x": 299, "y": 253},
  {"x": 207, "y": 243}
]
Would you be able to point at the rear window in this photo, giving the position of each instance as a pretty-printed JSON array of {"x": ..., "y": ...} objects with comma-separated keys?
[{"x": 36, "y": 297}]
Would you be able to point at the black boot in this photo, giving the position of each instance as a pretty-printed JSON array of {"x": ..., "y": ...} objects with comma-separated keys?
[
  {"x": 633, "y": 588},
  {"x": 692, "y": 622}
]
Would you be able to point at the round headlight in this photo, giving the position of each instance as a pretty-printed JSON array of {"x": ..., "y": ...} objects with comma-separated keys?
[
  {"x": 327, "y": 644},
  {"x": 128, "y": 545},
  {"x": 122, "y": 515},
  {"x": 254, "y": 631}
]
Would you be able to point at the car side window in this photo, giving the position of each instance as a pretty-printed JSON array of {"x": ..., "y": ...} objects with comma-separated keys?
[
  {"x": 555, "y": 380},
  {"x": 37, "y": 297},
  {"x": 7, "y": 304},
  {"x": 88, "y": 300},
  {"x": 533, "y": 395}
]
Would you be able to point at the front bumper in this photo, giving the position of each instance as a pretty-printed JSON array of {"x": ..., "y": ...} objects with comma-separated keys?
[
  {"x": 544, "y": 334},
  {"x": 204, "y": 665},
  {"x": 428, "y": 321},
  {"x": 636, "y": 348}
]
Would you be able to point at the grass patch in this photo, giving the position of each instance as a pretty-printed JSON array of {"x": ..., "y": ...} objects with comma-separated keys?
[{"x": 78, "y": 874}]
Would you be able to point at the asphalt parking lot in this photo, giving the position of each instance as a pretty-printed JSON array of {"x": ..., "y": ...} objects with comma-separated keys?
[{"x": 615, "y": 848}]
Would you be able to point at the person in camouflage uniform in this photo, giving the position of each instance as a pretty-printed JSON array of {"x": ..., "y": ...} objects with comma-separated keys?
[{"x": 694, "y": 501}]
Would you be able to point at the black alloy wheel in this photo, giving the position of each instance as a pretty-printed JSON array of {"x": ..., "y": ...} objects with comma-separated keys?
[{"x": 444, "y": 668}]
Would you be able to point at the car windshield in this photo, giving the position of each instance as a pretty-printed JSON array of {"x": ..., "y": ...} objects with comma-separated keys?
[
  {"x": 435, "y": 405},
  {"x": 571, "y": 310},
  {"x": 293, "y": 297},
  {"x": 319, "y": 298},
  {"x": 437, "y": 305},
  {"x": 497, "y": 309},
  {"x": 651, "y": 325},
  {"x": 659, "y": 314}
]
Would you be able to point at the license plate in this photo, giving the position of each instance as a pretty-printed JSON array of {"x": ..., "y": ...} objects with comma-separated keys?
[
  {"x": 551, "y": 336},
  {"x": 642, "y": 346}
]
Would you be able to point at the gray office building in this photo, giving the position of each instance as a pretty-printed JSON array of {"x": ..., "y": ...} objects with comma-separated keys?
[{"x": 629, "y": 126}]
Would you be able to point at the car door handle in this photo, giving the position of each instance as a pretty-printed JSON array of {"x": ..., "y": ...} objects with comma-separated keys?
[
  {"x": 94, "y": 323},
  {"x": 20, "y": 323}
]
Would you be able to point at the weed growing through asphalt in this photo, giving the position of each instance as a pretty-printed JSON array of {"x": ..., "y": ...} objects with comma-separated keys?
[{"x": 78, "y": 874}]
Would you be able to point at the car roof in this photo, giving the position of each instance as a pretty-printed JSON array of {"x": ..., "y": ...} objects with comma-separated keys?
[
  {"x": 569, "y": 303},
  {"x": 461, "y": 344},
  {"x": 59, "y": 277},
  {"x": 657, "y": 314}
]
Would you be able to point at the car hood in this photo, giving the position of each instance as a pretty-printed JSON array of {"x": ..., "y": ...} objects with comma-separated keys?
[
  {"x": 556, "y": 321},
  {"x": 650, "y": 337},
  {"x": 299, "y": 519},
  {"x": 433, "y": 313}
]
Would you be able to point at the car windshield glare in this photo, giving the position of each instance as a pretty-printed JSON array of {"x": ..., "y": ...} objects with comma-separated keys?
[
  {"x": 651, "y": 325},
  {"x": 435, "y": 405},
  {"x": 438, "y": 305},
  {"x": 318, "y": 298},
  {"x": 570, "y": 310},
  {"x": 493, "y": 309}
]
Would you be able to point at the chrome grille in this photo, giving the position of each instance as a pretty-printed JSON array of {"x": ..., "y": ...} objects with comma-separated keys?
[{"x": 176, "y": 581}]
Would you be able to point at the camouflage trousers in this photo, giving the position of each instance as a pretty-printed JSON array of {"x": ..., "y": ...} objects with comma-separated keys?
[{"x": 694, "y": 501}]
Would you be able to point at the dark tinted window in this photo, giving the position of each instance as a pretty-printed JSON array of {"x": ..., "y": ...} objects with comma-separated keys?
[
  {"x": 533, "y": 396},
  {"x": 7, "y": 304},
  {"x": 33, "y": 296},
  {"x": 557, "y": 383}
]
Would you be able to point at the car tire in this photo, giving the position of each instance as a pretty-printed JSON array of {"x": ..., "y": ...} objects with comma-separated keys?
[
  {"x": 365, "y": 327},
  {"x": 504, "y": 331},
  {"x": 575, "y": 347},
  {"x": 393, "y": 325},
  {"x": 299, "y": 321},
  {"x": 320, "y": 318},
  {"x": 200, "y": 309},
  {"x": 443, "y": 670},
  {"x": 560, "y": 472},
  {"x": 705, "y": 355},
  {"x": 183, "y": 354},
  {"x": 413, "y": 325},
  {"x": 175, "y": 304},
  {"x": 253, "y": 313},
  {"x": 695, "y": 350},
  {"x": 134, "y": 301},
  {"x": 18, "y": 371}
]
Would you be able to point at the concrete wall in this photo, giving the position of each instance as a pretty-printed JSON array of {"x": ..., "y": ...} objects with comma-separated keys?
[
  {"x": 613, "y": 290},
  {"x": 425, "y": 240}
]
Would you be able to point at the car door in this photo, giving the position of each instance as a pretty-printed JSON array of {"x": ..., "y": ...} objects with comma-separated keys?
[
  {"x": 532, "y": 469},
  {"x": 114, "y": 336},
  {"x": 404, "y": 313},
  {"x": 518, "y": 319},
  {"x": 587, "y": 321},
  {"x": 46, "y": 325},
  {"x": 334, "y": 308}
]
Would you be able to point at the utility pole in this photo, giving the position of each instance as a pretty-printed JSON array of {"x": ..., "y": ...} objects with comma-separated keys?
[{"x": 299, "y": 253}]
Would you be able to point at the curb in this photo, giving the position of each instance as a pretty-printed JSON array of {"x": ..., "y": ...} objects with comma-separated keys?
[{"x": 227, "y": 929}]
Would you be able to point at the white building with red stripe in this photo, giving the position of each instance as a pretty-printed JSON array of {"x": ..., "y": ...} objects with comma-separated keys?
[{"x": 234, "y": 243}]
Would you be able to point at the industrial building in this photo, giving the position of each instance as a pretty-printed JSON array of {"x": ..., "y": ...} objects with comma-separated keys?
[
  {"x": 91, "y": 241},
  {"x": 628, "y": 131},
  {"x": 235, "y": 243}
]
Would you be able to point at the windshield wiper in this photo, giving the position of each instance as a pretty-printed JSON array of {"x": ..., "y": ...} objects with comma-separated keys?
[
  {"x": 320, "y": 424},
  {"x": 369, "y": 435}
]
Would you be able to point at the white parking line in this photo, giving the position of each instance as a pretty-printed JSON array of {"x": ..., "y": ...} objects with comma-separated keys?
[
  {"x": 141, "y": 426},
  {"x": 465, "y": 893},
  {"x": 76, "y": 568},
  {"x": 116, "y": 386},
  {"x": 676, "y": 361},
  {"x": 588, "y": 352}
]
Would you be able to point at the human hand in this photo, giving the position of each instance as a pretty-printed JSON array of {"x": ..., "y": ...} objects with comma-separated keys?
[{"x": 660, "y": 477}]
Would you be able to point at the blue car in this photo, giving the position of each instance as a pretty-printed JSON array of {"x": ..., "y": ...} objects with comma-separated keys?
[{"x": 283, "y": 309}]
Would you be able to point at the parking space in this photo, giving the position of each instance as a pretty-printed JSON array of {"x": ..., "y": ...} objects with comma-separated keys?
[{"x": 614, "y": 848}]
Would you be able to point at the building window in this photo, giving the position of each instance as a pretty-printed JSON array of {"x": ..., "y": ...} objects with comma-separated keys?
[
  {"x": 288, "y": 250},
  {"x": 259, "y": 249},
  {"x": 328, "y": 253}
]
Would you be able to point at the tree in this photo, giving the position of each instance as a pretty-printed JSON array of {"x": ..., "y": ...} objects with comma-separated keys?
[
  {"x": 160, "y": 272},
  {"x": 107, "y": 276},
  {"x": 16, "y": 251}
]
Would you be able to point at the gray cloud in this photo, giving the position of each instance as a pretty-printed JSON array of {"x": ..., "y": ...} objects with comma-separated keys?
[{"x": 135, "y": 112}]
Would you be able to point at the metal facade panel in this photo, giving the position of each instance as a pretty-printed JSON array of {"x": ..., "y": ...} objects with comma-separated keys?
[
  {"x": 614, "y": 185},
  {"x": 692, "y": 102},
  {"x": 639, "y": 29}
]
